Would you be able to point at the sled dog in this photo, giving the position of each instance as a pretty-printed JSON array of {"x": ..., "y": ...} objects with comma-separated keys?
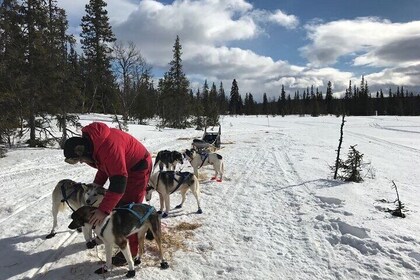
[
  {"x": 75, "y": 195},
  {"x": 122, "y": 222},
  {"x": 168, "y": 182},
  {"x": 197, "y": 160},
  {"x": 169, "y": 159}
]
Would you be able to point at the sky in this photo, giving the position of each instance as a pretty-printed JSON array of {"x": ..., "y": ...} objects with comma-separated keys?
[
  {"x": 277, "y": 214},
  {"x": 270, "y": 43}
]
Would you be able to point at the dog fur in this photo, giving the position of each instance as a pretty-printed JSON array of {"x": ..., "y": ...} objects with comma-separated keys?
[
  {"x": 198, "y": 160},
  {"x": 169, "y": 159},
  {"x": 77, "y": 195},
  {"x": 167, "y": 182},
  {"x": 120, "y": 224}
]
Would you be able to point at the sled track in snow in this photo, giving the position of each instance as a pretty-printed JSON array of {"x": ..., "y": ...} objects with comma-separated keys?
[{"x": 47, "y": 262}]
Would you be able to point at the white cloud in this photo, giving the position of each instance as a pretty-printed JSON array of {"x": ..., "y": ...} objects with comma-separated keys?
[
  {"x": 288, "y": 21},
  {"x": 371, "y": 41}
]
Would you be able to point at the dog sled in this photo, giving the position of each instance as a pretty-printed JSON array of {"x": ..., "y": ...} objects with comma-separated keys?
[{"x": 210, "y": 141}]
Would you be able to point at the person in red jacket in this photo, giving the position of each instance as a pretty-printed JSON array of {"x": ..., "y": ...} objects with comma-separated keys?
[{"x": 119, "y": 158}]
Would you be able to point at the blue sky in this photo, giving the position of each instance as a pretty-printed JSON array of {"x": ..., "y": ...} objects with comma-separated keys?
[{"x": 266, "y": 44}]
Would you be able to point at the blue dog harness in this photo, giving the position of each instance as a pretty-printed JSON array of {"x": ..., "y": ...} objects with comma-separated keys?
[{"x": 128, "y": 208}]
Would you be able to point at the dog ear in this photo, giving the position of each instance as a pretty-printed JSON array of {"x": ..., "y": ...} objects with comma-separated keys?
[
  {"x": 84, "y": 187},
  {"x": 101, "y": 190}
]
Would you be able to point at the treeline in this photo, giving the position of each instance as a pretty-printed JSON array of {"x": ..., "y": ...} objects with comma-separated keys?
[{"x": 41, "y": 75}]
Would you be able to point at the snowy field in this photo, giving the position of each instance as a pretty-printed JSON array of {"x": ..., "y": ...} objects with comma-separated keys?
[{"x": 278, "y": 214}]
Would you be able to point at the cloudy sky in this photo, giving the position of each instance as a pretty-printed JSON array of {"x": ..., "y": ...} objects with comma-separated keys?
[{"x": 264, "y": 44}]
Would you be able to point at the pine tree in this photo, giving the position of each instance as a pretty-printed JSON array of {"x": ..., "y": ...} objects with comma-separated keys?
[
  {"x": 174, "y": 91},
  {"x": 329, "y": 98},
  {"x": 96, "y": 36},
  {"x": 234, "y": 98},
  {"x": 265, "y": 104},
  {"x": 212, "y": 116},
  {"x": 222, "y": 100}
]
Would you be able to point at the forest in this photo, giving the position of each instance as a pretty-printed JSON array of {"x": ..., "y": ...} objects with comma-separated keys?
[{"x": 43, "y": 78}]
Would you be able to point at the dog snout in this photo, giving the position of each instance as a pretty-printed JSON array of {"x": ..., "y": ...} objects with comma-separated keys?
[{"x": 88, "y": 201}]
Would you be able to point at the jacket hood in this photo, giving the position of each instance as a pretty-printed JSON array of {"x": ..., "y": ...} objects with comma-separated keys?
[{"x": 97, "y": 132}]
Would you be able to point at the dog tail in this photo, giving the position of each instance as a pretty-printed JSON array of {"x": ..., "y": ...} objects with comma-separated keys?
[
  {"x": 156, "y": 160},
  {"x": 57, "y": 203}
]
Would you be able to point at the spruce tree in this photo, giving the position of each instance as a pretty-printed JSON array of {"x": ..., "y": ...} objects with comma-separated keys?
[
  {"x": 329, "y": 99},
  {"x": 174, "y": 92},
  {"x": 234, "y": 98},
  {"x": 96, "y": 36}
]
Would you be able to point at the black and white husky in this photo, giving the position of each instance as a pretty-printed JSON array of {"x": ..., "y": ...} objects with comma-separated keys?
[
  {"x": 169, "y": 159},
  {"x": 168, "y": 182},
  {"x": 198, "y": 160},
  {"x": 75, "y": 195},
  {"x": 122, "y": 222}
]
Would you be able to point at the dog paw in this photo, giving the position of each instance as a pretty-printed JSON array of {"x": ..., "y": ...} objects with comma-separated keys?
[
  {"x": 137, "y": 261},
  {"x": 159, "y": 212},
  {"x": 164, "y": 265},
  {"x": 91, "y": 244},
  {"x": 79, "y": 229},
  {"x": 131, "y": 274},
  {"x": 199, "y": 211},
  {"x": 164, "y": 215},
  {"x": 101, "y": 270},
  {"x": 219, "y": 180},
  {"x": 51, "y": 235},
  {"x": 178, "y": 206},
  {"x": 213, "y": 178}
]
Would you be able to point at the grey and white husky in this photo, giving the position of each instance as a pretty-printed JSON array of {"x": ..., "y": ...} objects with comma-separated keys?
[
  {"x": 168, "y": 182},
  {"x": 122, "y": 222},
  {"x": 75, "y": 195}
]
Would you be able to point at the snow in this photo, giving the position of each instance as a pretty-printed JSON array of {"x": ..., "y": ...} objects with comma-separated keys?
[{"x": 278, "y": 214}]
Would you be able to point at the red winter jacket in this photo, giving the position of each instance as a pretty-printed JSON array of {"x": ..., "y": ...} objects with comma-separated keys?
[{"x": 117, "y": 153}]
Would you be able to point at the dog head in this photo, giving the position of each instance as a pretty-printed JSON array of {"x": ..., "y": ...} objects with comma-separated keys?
[
  {"x": 177, "y": 156},
  {"x": 190, "y": 154},
  {"x": 81, "y": 216},
  {"x": 93, "y": 195}
]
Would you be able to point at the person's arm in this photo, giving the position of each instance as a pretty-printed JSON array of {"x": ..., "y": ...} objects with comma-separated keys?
[
  {"x": 100, "y": 178},
  {"x": 117, "y": 185}
]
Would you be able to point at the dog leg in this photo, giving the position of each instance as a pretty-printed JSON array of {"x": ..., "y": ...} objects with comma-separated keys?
[
  {"x": 161, "y": 200},
  {"x": 167, "y": 206},
  {"x": 127, "y": 254},
  {"x": 87, "y": 234},
  {"x": 108, "y": 265},
  {"x": 156, "y": 229},
  {"x": 183, "y": 192},
  {"x": 196, "y": 192}
]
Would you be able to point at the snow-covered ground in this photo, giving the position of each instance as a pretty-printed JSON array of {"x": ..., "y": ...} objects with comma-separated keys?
[{"x": 278, "y": 214}]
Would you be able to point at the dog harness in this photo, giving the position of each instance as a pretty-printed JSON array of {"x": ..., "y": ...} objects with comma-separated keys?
[
  {"x": 128, "y": 208},
  {"x": 141, "y": 219},
  {"x": 203, "y": 156},
  {"x": 183, "y": 177},
  {"x": 66, "y": 197}
]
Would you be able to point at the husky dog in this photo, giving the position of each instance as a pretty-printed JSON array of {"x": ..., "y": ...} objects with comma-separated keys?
[
  {"x": 197, "y": 160},
  {"x": 168, "y": 182},
  {"x": 122, "y": 222},
  {"x": 169, "y": 159},
  {"x": 75, "y": 195}
]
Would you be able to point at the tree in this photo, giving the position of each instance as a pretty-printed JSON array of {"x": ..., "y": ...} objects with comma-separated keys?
[
  {"x": 99, "y": 88},
  {"x": 174, "y": 90},
  {"x": 329, "y": 99},
  {"x": 132, "y": 76},
  {"x": 223, "y": 103},
  {"x": 265, "y": 104},
  {"x": 212, "y": 114},
  {"x": 234, "y": 98}
]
